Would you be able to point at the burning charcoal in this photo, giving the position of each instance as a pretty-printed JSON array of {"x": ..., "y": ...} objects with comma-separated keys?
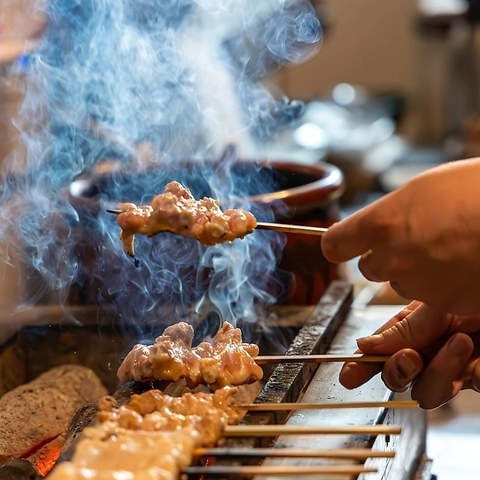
[
  {"x": 19, "y": 470},
  {"x": 34, "y": 417}
]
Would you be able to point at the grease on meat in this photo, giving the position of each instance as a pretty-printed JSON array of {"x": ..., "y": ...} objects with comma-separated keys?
[
  {"x": 226, "y": 361},
  {"x": 151, "y": 438},
  {"x": 177, "y": 211}
]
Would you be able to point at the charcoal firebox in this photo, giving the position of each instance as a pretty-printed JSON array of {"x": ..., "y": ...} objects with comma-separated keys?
[{"x": 329, "y": 327}]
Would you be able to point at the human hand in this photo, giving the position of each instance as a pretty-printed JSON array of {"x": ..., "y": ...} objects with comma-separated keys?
[
  {"x": 435, "y": 354},
  {"x": 423, "y": 238}
]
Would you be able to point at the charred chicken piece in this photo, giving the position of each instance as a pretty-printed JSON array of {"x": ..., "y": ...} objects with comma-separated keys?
[
  {"x": 177, "y": 211},
  {"x": 226, "y": 361}
]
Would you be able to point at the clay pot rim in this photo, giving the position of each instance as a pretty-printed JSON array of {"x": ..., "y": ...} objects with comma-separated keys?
[{"x": 328, "y": 184}]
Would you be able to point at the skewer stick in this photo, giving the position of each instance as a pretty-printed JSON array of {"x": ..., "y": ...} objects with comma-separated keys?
[
  {"x": 277, "y": 430},
  {"x": 350, "y": 453},
  {"x": 247, "y": 470},
  {"x": 276, "y": 227},
  {"x": 269, "y": 407},
  {"x": 285, "y": 228},
  {"x": 358, "y": 357}
]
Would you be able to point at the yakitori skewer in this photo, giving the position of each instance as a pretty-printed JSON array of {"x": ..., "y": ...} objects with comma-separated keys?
[
  {"x": 268, "y": 407},
  {"x": 277, "y": 227},
  {"x": 277, "y": 430},
  {"x": 247, "y": 470},
  {"x": 321, "y": 358},
  {"x": 350, "y": 453}
]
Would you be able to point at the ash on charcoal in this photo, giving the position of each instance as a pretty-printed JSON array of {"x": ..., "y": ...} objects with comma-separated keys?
[{"x": 40, "y": 412}]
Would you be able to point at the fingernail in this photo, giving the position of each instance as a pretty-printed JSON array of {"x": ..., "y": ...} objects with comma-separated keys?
[
  {"x": 456, "y": 345},
  {"x": 406, "y": 367},
  {"x": 372, "y": 340}
]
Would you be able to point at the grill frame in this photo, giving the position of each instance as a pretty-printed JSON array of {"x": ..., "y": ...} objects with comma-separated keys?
[
  {"x": 410, "y": 461},
  {"x": 288, "y": 381},
  {"x": 330, "y": 327}
]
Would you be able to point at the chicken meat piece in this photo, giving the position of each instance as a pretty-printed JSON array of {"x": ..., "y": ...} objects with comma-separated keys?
[
  {"x": 177, "y": 211},
  {"x": 173, "y": 357},
  {"x": 226, "y": 361},
  {"x": 203, "y": 414},
  {"x": 128, "y": 456},
  {"x": 151, "y": 438}
]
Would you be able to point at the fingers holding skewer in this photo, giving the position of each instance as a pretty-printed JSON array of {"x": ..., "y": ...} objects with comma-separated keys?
[
  {"x": 399, "y": 370},
  {"x": 431, "y": 352}
]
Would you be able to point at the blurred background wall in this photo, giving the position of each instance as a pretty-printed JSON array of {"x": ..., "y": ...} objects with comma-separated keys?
[
  {"x": 412, "y": 47},
  {"x": 370, "y": 42}
]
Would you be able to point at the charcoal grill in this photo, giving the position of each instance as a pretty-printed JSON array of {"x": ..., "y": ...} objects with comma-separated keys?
[{"x": 329, "y": 327}]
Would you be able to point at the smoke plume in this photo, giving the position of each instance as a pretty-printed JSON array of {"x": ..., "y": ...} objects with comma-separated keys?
[{"x": 123, "y": 96}]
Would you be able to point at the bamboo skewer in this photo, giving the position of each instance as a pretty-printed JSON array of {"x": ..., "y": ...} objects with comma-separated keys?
[
  {"x": 276, "y": 227},
  {"x": 277, "y": 430},
  {"x": 350, "y": 453},
  {"x": 261, "y": 360},
  {"x": 269, "y": 407},
  {"x": 247, "y": 470},
  {"x": 286, "y": 228}
]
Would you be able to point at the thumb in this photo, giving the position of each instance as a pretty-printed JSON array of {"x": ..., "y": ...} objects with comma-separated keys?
[
  {"x": 476, "y": 376},
  {"x": 421, "y": 328},
  {"x": 348, "y": 238}
]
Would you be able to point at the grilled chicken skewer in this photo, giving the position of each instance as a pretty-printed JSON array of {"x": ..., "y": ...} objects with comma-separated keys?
[
  {"x": 177, "y": 211},
  {"x": 275, "y": 227}
]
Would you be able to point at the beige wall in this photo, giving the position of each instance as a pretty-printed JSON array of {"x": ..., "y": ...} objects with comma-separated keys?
[{"x": 371, "y": 42}]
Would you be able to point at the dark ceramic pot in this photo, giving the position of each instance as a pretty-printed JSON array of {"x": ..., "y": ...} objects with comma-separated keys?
[{"x": 299, "y": 194}]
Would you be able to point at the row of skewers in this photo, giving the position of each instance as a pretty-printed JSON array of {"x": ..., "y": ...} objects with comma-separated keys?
[
  {"x": 218, "y": 366},
  {"x": 174, "y": 432},
  {"x": 353, "y": 457},
  {"x": 177, "y": 432}
]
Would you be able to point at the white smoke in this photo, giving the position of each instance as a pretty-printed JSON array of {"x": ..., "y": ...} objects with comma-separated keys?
[{"x": 147, "y": 84}]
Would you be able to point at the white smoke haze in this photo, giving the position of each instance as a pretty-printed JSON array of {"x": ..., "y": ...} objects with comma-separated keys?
[{"x": 118, "y": 96}]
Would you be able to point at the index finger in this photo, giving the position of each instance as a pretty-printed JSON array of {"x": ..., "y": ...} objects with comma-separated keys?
[
  {"x": 354, "y": 374},
  {"x": 348, "y": 238},
  {"x": 418, "y": 330}
]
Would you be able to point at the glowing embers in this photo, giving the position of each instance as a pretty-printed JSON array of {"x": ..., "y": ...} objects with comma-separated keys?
[
  {"x": 152, "y": 437},
  {"x": 226, "y": 361},
  {"x": 34, "y": 417},
  {"x": 177, "y": 211}
]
